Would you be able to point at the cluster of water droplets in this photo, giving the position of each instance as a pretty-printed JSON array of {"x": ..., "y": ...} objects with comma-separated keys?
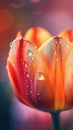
[
  {"x": 40, "y": 79},
  {"x": 32, "y": 86},
  {"x": 40, "y": 74},
  {"x": 62, "y": 44},
  {"x": 12, "y": 46},
  {"x": 28, "y": 83}
]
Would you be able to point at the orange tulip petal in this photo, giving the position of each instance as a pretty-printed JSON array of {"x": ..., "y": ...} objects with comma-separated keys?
[
  {"x": 37, "y": 36},
  {"x": 54, "y": 53},
  {"x": 38, "y": 70},
  {"x": 67, "y": 34},
  {"x": 69, "y": 79}
]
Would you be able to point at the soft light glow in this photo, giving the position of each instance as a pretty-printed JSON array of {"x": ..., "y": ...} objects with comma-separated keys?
[
  {"x": 6, "y": 19},
  {"x": 35, "y": 1}
]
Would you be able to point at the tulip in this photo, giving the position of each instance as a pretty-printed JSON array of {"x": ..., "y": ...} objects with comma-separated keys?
[{"x": 40, "y": 70}]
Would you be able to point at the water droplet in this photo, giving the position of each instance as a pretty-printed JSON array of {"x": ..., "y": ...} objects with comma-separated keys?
[
  {"x": 31, "y": 91},
  {"x": 38, "y": 94},
  {"x": 13, "y": 65},
  {"x": 41, "y": 76},
  {"x": 26, "y": 86},
  {"x": 9, "y": 59},
  {"x": 56, "y": 42},
  {"x": 55, "y": 52},
  {"x": 32, "y": 58},
  {"x": 27, "y": 75},
  {"x": 30, "y": 80},
  {"x": 56, "y": 58},
  {"x": 60, "y": 42},
  {"x": 22, "y": 63},
  {"x": 25, "y": 65},
  {"x": 11, "y": 44},
  {"x": 53, "y": 46},
  {"x": 10, "y": 54},
  {"x": 29, "y": 53}
]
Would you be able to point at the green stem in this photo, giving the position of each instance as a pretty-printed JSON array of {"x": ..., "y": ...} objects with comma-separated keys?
[{"x": 56, "y": 120}]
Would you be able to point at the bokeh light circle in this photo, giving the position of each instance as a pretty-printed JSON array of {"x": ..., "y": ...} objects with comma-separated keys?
[
  {"x": 6, "y": 19},
  {"x": 35, "y": 1}
]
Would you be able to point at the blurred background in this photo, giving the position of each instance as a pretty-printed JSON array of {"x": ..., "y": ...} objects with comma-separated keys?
[{"x": 20, "y": 15}]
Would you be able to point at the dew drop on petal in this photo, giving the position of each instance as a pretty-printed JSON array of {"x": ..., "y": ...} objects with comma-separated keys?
[
  {"x": 11, "y": 49},
  {"x": 38, "y": 94},
  {"x": 55, "y": 52},
  {"x": 26, "y": 86},
  {"x": 32, "y": 58},
  {"x": 27, "y": 75},
  {"x": 41, "y": 76},
  {"x": 12, "y": 46},
  {"x": 30, "y": 81},
  {"x": 56, "y": 58},
  {"x": 31, "y": 91},
  {"x": 53, "y": 46},
  {"x": 29, "y": 53},
  {"x": 25, "y": 65},
  {"x": 13, "y": 65}
]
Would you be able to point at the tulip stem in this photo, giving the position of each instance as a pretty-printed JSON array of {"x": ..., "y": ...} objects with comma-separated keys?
[{"x": 56, "y": 120}]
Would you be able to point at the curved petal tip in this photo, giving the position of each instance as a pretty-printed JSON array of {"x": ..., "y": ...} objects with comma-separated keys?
[
  {"x": 37, "y": 36},
  {"x": 67, "y": 34}
]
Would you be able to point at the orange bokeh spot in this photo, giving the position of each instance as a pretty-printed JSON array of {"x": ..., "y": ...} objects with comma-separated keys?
[
  {"x": 6, "y": 19},
  {"x": 35, "y": 1}
]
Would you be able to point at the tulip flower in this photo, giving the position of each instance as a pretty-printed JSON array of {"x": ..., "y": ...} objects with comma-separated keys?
[{"x": 40, "y": 70}]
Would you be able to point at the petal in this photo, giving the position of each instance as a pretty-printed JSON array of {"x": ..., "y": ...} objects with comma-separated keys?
[
  {"x": 41, "y": 88},
  {"x": 13, "y": 71},
  {"x": 29, "y": 75},
  {"x": 37, "y": 36},
  {"x": 19, "y": 35},
  {"x": 69, "y": 79},
  {"x": 54, "y": 53},
  {"x": 67, "y": 34}
]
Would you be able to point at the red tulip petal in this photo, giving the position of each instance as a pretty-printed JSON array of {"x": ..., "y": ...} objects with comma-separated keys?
[
  {"x": 54, "y": 53},
  {"x": 37, "y": 36},
  {"x": 68, "y": 34},
  {"x": 16, "y": 85},
  {"x": 13, "y": 68},
  {"x": 29, "y": 75}
]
